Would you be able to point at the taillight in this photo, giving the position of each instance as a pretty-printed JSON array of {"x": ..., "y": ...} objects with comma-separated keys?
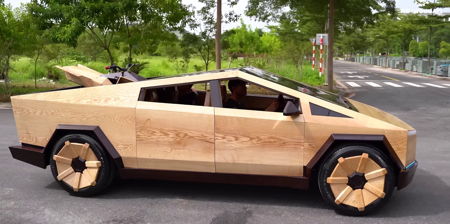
[{"x": 107, "y": 67}]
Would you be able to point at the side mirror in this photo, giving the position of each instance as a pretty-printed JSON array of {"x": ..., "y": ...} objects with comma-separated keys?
[{"x": 291, "y": 109}]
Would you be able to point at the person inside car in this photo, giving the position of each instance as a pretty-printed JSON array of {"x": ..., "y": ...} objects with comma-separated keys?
[
  {"x": 238, "y": 90},
  {"x": 187, "y": 95}
]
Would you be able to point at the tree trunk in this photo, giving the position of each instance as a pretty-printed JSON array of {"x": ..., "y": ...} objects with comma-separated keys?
[
  {"x": 130, "y": 59},
  {"x": 8, "y": 89},
  {"x": 330, "y": 47},
  {"x": 111, "y": 59},
  {"x": 403, "y": 55},
  {"x": 387, "y": 50},
  {"x": 229, "y": 64},
  {"x": 35, "y": 71},
  {"x": 218, "y": 34},
  {"x": 429, "y": 49}
]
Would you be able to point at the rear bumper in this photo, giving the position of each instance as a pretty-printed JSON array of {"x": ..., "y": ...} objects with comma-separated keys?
[
  {"x": 406, "y": 176},
  {"x": 31, "y": 154}
]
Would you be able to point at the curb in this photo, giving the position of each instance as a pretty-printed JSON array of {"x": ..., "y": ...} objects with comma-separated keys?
[
  {"x": 5, "y": 106},
  {"x": 344, "y": 91},
  {"x": 407, "y": 72}
]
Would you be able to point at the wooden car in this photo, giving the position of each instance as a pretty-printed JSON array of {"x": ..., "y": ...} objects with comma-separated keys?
[{"x": 137, "y": 128}]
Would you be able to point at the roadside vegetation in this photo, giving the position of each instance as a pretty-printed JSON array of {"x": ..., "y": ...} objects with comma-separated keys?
[
  {"x": 398, "y": 34},
  {"x": 169, "y": 37}
]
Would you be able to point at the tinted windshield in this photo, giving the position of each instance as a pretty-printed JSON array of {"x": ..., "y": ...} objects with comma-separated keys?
[{"x": 330, "y": 97}]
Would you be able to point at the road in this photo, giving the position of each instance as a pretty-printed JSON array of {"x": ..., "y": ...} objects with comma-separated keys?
[{"x": 30, "y": 195}]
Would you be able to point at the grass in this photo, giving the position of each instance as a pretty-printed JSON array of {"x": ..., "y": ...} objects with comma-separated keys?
[{"x": 22, "y": 72}]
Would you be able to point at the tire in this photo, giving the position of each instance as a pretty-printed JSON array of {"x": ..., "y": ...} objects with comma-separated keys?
[
  {"x": 349, "y": 194},
  {"x": 94, "y": 176}
]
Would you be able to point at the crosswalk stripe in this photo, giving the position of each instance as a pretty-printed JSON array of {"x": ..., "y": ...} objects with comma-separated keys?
[
  {"x": 412, "y": 84},
  {"x": 352, "y": 84},
  {"x": 429, "y": 84},
  {"x": 392, "y": 84},
  {"x": 446, "y": 84},
  {"x": 373, "y": 84}
]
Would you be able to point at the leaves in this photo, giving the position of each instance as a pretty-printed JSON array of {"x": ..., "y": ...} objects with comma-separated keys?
[{"x": 445, "y": 49}]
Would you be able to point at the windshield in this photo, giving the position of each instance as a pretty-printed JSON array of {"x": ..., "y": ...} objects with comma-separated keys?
[{"x": 321, "y": 94}]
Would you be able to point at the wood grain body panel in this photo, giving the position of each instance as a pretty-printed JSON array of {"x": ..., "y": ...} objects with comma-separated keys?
[
  {"x": 257, "y": 142},
  {"x": 379, "y": 114},
  {"x": 319, "y": 128},
  {"x": 175, "y": 137},
  {"x": 36, "y": 120},
  {"x": 411, "y": 147}
]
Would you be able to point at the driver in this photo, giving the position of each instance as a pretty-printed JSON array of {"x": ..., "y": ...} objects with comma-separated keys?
[{"x": 238, "y": 90}]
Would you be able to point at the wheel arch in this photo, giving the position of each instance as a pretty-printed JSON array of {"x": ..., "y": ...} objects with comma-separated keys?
[
  {"x": 336, "y": 141},
  {"x": 92, "y": 131}
]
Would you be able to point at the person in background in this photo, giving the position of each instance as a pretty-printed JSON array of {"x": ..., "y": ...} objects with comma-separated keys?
[{"x": 187, "y": 95}]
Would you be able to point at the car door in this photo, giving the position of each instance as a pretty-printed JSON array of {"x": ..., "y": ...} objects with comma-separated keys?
[
  {"x": 258, "y": 142},
  {"x": 173, "y": 136}
]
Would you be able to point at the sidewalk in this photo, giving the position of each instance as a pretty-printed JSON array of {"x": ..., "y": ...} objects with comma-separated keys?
[
  {"x": 5, "y": 105},
  {"x": 402, "y": 71}
]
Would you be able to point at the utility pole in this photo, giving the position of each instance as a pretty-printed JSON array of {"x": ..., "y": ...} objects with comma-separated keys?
[
  {"x": 218, "y": 34},
  {"x": 330, "y": 47}
]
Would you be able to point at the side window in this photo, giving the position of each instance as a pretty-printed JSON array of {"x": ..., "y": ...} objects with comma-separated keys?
[
  {"x": 197, "y": 94},
  {"x": 248, "y": 96},
  {"x": 322, "y": 111}
]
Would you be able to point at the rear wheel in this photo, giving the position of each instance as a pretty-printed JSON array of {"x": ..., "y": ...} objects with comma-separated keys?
[
  {"x": 80, "y": 165},
  {"x": 356, "y": 180}
]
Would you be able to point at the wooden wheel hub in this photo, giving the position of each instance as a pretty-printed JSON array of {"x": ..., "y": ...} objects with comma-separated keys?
[
  {"x": 77, "y": 165},
  {"x": 357, "y": 181}
]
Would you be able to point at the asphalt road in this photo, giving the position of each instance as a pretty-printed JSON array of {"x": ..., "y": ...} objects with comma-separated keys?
[{"x": 30, "y": 195}]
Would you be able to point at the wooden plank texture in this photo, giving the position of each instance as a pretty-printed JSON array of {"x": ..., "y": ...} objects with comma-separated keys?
[
  {"x": 175, "y": 137},
  {"x": 258, "y": 142},
  {"x": 36, "y": 121}
]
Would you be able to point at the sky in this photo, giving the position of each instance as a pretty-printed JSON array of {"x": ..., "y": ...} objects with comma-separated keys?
[{"x": 404, "y": 5}]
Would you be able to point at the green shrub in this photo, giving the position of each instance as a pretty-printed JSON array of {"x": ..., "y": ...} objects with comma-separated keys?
[{"x": 199, "y": 68}]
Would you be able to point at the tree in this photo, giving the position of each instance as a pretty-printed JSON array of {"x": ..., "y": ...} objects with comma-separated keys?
[
  {"x": 355, "y": 42},
  {"x": 245, "y": 41},
  {"x": 385, "y": 30},
  {"x": 345, "y": 13},
  {"x": 202, "y": 41},
  {"x": 89, "y": 47},
  {"x": 102, "y": 20},
  {"x": 445, "y": 49},
  {"x": 422, "y": 50},
  {"x": 406, "y": 27},
  {"x": 414, "y": 48},
  {"x": 145, "y": 21},
  {"x": 270, "y": 44},
  {"x": 15, "y": 37},
  {"x": 432, "y": 20}
]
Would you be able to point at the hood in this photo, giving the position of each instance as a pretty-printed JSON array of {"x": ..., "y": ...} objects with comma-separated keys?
[{"x": 379, "y": 114}]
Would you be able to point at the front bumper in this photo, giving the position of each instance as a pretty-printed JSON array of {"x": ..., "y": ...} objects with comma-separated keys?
[
  {"x": 406, "y": 175},
  {"x": 31, "y": 154}
]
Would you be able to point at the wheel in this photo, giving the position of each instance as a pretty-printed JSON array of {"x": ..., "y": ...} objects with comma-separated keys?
[
  {"x": 80, "y": 165},
  {"x": 356, "y": 180}
]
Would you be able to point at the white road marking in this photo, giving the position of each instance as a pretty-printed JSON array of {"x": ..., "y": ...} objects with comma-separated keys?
[
  {"x": 373, "y": 84},
  {"x": 433, "y": 85},
  {"x": 446, "y": 84},
  {"x": 352, "y": 84},
  {"x": 357, "y": 76},
  {"x": 392, "y": 84},
  {"x": 412, "y": 84}
]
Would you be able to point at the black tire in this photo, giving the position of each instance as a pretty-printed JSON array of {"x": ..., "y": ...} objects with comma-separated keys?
[
  {"x": 105, "y": 172},
  {"x": 330, "y": 163}
]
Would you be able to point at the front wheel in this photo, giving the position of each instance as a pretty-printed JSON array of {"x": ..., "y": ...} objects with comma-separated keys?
[
  {"x": 80, "y": 165},
  {"x": 356, "y": 180}
]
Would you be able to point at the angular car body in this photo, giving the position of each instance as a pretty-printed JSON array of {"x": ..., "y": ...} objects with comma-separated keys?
[{"x": 357, "y": 153}]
